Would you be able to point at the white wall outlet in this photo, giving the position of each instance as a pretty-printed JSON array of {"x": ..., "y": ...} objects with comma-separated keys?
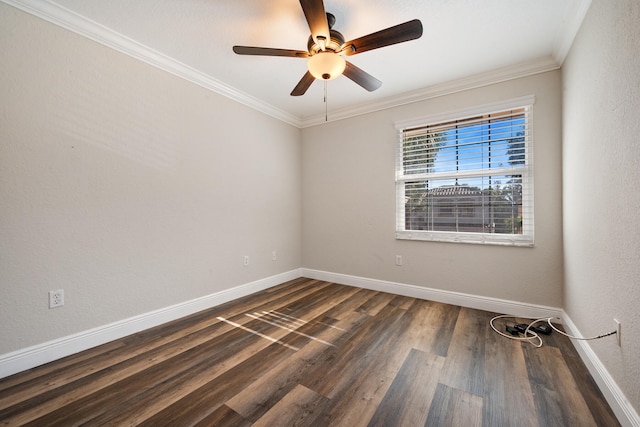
[
  {"x": 274, "y": 256},
  {"x": 56, "y": 298},
  {"x": 398, "y": 259},
  {"x": 245, "y": 262},
  {"x": 618, "y": 330}
]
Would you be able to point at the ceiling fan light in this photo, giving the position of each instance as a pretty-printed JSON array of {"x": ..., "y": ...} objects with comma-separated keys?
[{"x": 326, "y": 65}]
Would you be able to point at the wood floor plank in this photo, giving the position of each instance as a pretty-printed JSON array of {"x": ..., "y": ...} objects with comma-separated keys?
[
  {"x": 319, "y": 302},
  {"x": 68, "y": 393},
  {"x": 68, "y": 373},
  {"x": 253, "y": 401},
  {"x": 223, "y": 417},
  {"x": 186, "y": 350},
  {"x": 356, "y": 396},
  {"x": 402, "y": 302},
  {"x": 150, "y": 390},
  {"x": 357, "y": 403},
  {"x": 454, "y": 408},
  {"x": 292, "y": 285},
  {"x": 286, "y": 317},
  {"x": 270, "y": 301},
  {"x": 311, "y": 302},
  {"x": 446, "y": 321},
  {"x": 431, "y": 327},
  {"x": 376, "y": 303},
  {"x": 298, "y": 408},
  {"x": 203, "y": 401},
  {"x": 236, "y": 352},
  {"x": 557, "y": 397},
  {"x": 508, "y": 398},
  {"x": 351, "y": 304},
  {"x": 339, "y": 369},
  {"x": 257, "y": 398},
  {"x": 409, "y": 397},
  {"x": 11, "y": 385},
  {"x": 264, "y": 393},
  {"x": 107, "y": 351},
  {"x": 600, "y": 410},
  {"x": 593, "y": 397},
  {"x": 464, "y": 366}
]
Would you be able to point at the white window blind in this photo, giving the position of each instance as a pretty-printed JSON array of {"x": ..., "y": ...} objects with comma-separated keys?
[{"x": 467, "y": 178}]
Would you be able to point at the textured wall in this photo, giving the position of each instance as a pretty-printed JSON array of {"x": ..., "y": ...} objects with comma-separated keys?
[
  {"x": 349, "y": 203},
  {"x": 129, "y": 188},
  {"x": 601, "y": 175}
]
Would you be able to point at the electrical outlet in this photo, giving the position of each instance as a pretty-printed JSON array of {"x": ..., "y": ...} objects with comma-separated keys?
[
  {"x": 398, "y": 259},
  {"x": 56, "y": 298},
  {"x": 246, "y": 260},
  {"x": 618, "y": 329},
  {"x": 274, "y": 256}
]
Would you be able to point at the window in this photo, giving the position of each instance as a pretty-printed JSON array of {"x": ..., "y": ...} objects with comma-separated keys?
[{"x": 467, "y": 176}]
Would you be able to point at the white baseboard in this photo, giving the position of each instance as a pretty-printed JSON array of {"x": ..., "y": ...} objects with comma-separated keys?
[
  {"x": 495, "y": 305},
  {"x": 27, "y": 358},
  {"x": 618, "y": 402}
]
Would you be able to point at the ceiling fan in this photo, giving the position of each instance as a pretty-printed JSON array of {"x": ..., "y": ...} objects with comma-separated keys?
[{"x": 326, "y": 47}]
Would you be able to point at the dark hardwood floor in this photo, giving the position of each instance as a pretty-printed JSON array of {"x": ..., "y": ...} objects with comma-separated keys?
[{"x": 312, "y": 353}]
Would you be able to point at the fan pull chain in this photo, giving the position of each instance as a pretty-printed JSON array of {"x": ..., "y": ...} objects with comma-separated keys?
[{"x": 326, "y": 109}]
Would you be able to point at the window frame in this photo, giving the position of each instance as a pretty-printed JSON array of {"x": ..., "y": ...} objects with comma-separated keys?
[{"x": 526, "y": 239}]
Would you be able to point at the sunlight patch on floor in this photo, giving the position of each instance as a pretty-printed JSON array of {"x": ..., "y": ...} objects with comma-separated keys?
[
  {"x": 267, "y": 337},
  {"x": 261, "y": 317}
]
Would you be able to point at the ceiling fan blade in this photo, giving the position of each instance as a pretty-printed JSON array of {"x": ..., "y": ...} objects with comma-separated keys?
[
  {"x": 268, "y": 51},
  {"x": 361, "y": 77},
  {"x": 316, "y": 18},
  {"x": 410, "y": 30},
  {"x": 303, "y": 84}
]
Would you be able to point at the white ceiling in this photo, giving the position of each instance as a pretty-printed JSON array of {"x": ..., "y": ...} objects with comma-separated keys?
[{"x": 465, "y": 43}]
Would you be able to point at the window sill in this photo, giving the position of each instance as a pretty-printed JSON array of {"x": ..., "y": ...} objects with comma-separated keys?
[{"x": 473, "y": 238}]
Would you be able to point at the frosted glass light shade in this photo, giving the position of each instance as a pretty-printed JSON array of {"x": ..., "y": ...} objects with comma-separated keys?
[{"x": 326, "y": 65}]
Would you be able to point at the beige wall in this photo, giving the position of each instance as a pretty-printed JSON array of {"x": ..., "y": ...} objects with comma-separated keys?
[
  {"x": 601, "y": 175},
  {"x": 349, "y": 204},
  {"x": 129, "y": 188}
]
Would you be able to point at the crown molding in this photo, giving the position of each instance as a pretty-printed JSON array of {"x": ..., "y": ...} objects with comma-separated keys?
[
  {"x": 92, "y": 30},
  {"x": 516, "y": 71},
  {"x": 576, "y": 15}
]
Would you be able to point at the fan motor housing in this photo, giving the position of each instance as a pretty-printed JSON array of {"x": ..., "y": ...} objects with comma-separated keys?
[{"x": 334, "y": 44}]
